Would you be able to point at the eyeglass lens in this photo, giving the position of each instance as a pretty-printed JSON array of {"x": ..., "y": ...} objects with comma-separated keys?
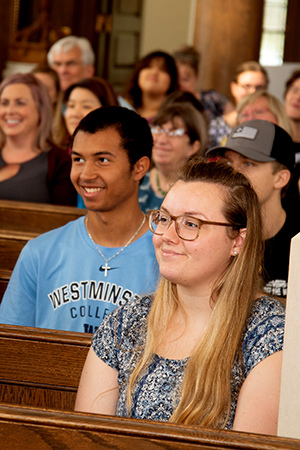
[
  {"x": 186, "y": 227},
  {"x": 174, "y": 132}
]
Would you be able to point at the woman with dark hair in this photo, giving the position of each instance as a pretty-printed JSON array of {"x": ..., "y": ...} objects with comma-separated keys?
[
  {"x": 32, "y": 168},
  {"x": 179, "y": 131},
  {"x": 80, "y": 99},
  {"x": 153, "y": 78},
  {"x": 206, "y": 349}
]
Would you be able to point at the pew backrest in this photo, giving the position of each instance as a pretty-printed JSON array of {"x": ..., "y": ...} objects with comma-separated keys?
[
  {"x": 39, "y": 367},
  {"x": 35, "y": 217},
  {"x": 11, "y": 244},
  {"x": 30, "y": 428}
]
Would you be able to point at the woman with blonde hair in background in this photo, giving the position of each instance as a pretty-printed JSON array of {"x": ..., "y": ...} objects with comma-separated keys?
[
  {"x": 206, "y": 349},
  {"x": 32, "y": 168},
  {"x": 264, "y": 106}
]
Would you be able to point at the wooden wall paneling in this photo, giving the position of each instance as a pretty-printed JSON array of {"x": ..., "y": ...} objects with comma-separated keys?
[
  {"x": 292, "y": 47},
  {"x": 6, "y": 14},
  {"x": 227, "y": 33}
]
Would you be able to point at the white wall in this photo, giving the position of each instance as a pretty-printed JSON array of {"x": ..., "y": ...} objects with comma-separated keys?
[
  {"x": 167, "y": 25},
  {"x": 278, "y": 77},
  {"x": 289, "y": 409}
]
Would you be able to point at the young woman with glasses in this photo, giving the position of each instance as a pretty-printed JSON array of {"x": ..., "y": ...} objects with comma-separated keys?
[
  {"x": 205, "y": 350},
  {"x": 179, "y": 131}
]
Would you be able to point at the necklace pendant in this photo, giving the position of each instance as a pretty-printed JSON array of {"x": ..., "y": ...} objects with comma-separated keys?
[{"x": 105, "y": 269}]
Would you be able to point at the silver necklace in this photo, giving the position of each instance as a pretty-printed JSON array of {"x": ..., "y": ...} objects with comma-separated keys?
[{"x": 106, "y": 267}]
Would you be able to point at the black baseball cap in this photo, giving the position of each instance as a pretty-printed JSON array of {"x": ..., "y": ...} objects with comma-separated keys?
[{"x": 261, "y": 141}]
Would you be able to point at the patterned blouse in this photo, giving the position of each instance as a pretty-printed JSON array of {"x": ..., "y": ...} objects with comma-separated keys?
[{"x": 120, "y": 337}]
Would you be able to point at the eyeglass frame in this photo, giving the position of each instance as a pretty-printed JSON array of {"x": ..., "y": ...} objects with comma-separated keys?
[
  {"x": 254, "y": 113},
  {"x": 174, "y": 219},
  {"x": 247, "y": 87},
  {"x": 168, "y": 131}
]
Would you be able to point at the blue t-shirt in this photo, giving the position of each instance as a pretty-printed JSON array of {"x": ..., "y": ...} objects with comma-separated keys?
[
  {"x": 120, "y": 338},
  {"x": 58, "y": 281}
]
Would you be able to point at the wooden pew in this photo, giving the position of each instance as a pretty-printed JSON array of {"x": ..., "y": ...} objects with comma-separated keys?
[
  {"x": 20, "y": 222},
  {"x": 35, "y": 217},
  {"x": 11, "y": 244},
  {"x": 4, "y": 279},
  {"x": 29, "y": 428},
  {"x": 40, "y": 367}
]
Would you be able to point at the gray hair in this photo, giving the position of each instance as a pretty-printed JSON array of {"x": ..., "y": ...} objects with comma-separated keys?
[{"x": 67, "y": 43}]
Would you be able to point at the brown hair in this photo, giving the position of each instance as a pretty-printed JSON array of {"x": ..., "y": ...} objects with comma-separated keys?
[
  {"x": 251, "y": 66},
  {"x": 42, "y": 103},
  {"x": 188, "y": 55}
]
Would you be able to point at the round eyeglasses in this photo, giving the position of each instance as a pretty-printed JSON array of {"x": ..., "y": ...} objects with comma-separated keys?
[
  {"x": 248, "y": 87},
  {"x": 187, "y": 227},
  {"x": 156, "y": 130}
]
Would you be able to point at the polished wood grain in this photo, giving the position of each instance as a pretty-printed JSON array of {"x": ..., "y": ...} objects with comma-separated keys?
[
  {"x": 35, "y": 218},
  {"x": 30, "y": 428},
  {"x": 41, "y": 367}
]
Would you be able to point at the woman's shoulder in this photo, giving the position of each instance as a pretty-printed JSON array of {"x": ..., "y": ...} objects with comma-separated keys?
[
  {"x": 124, "y": 328},
  {"x": 134, "y": 311},
  {"x": 266, "y": 308},
  {"x": 264, "y": 331}
]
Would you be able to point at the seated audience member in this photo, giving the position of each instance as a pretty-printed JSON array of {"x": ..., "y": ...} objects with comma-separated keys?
[
  {"x": 73, "y": 59},
  {"x": 79, "y": 99},
  {"x": 72, "y": 277},
  {"x": 209, "y": 319},
  {"x": 32, "y": 168},
  {"x": 50, "y": 79},
  {"x": 153, "y": 78},
  {"x": 264, "y": 106},
  {"x": 250, "y": 76},
  {"x": 179, "y": 132},
  {"x": 264, "y": 153},
  {"x": 188, "y": 63},
  {"x": 292, "y": 107}
]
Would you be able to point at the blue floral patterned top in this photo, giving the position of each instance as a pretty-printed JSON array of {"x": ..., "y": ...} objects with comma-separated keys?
[{"x": 120, "y": 337}]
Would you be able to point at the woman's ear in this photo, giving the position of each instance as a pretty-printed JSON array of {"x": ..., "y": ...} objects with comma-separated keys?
[
  {"x": 238, "y": 242},
  {"x": 141, "y": 167},
  {"x": 195, "y": 147}
]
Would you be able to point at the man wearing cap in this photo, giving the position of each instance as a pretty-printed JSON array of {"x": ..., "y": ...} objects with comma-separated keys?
[{"x": 264, "y": 153}]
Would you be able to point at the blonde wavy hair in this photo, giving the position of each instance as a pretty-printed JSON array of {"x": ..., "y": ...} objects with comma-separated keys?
[
  {"x": 274, "y": 105},
  {"x": 205, "y": 396}
]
